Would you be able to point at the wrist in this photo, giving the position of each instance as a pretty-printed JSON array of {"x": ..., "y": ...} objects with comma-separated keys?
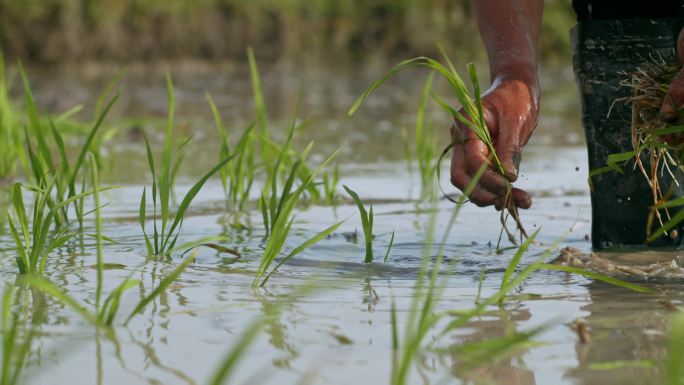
[{"x": 524, "y": 73}]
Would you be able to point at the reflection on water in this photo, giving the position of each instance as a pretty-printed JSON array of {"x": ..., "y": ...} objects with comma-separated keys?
[
  {"x": 627, "y": 330},
  {"x": 509, "y": 370},
  {"x": 338, "y": 331}
]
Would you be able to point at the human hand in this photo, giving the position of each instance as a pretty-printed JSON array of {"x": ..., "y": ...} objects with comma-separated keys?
[
  {"x": 674, "y": 100},
  {"x": 511, "y": 109}
]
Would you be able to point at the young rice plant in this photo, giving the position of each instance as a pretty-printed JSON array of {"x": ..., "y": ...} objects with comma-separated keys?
[
  {"x": 105, "y": 310},
  {"x": 166, "y": 224},
  {"x": 367, "y": 225}
]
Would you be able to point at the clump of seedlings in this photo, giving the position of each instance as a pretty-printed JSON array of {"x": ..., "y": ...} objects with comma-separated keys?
[
  {"x": 272, "y": 201},
  {"x": 237, "y": 176},
  {"x": 59, "y": 181},
  {"x": 276, "y": 210},
  {"x": 472, "y": 118},
  {"x": 33, "y": 232},
  {"x": 105, "y": 309},
  {"x": 281, "y": 226},
  {"x": 276, "y": 158},
  {"x": 166, "y": 223}
]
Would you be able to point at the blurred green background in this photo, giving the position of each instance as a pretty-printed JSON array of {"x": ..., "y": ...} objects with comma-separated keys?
[{"x": 57, "y": 31}]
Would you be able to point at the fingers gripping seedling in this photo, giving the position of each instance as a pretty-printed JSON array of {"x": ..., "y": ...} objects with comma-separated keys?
[{"x": 472, "y": 117}]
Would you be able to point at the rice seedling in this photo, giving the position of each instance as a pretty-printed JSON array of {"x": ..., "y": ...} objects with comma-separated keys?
[
  {"x": 473, "y": 119},
  {"x": 260, "y": 107},
  {"x": 167, "y": 224},
  {"x": 674, "y": 369},
  {"x": 286, "y": 158},
  {"x": 237, "y": 177},
  {"x": 330, "y": 182},
  {"x": 367, "y": 225},
  {"x": 425, "y": 144},
  {"x": 105, "y": 311},
  {"x": 16, "y": 339},
  {"x": 109, "y": 132},
  {"x": 422, "y": 317},
  {"x": 276, "y": 242},
  {"x": 272, "y": 201},
  {"x": 11, "y": 148}
]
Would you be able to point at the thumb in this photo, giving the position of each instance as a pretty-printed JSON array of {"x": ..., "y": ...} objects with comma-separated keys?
[
  {"x": 674, "y": 98},
  {"x": 509, "y": 149},
  {"x": 667, "y": 110}
]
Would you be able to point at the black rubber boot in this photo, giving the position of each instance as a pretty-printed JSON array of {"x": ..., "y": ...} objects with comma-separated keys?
[{"x": 605, "y": 52}]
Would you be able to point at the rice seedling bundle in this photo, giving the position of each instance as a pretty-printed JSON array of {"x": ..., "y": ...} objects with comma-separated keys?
[
  {"x": 657, "y": 143},
  {"x": 654, "y": 138}
]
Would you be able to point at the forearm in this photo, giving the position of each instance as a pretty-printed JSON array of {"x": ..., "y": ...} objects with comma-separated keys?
[{"x": 510, "y": 32}]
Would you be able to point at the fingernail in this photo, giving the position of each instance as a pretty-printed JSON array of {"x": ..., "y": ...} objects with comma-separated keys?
[
  {"x": 517, "y": 158},
  {"x": 667, "y": 112},
  {"x": 667, "y": 115},
  {"x": 511, "y": 171}
]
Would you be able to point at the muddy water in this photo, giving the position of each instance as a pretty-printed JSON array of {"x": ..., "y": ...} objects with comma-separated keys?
[{"x": 340, "y": 331}]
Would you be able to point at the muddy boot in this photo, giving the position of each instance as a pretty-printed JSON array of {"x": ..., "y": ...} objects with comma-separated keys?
[{"x": 605, "y": 52}]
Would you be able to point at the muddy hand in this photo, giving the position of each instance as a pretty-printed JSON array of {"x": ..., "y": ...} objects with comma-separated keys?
[
  {"x": 511, "y": 108},
  {"x": 674, "y": 100}
]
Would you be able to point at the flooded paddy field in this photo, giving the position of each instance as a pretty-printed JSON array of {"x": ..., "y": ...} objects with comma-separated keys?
[{"x": 327, "y": 317}]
